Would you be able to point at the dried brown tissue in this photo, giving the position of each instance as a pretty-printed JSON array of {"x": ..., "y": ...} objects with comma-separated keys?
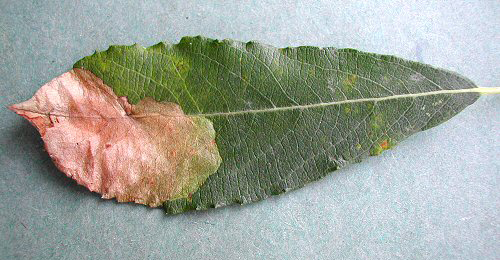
[{"x": 146, "y": 153}]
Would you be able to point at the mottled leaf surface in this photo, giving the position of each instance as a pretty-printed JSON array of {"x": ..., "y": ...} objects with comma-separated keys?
[{"x": 283, "y": 117}]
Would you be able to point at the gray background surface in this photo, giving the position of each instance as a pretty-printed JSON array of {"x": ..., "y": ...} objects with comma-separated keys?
[{"x": 435, "y": 196}]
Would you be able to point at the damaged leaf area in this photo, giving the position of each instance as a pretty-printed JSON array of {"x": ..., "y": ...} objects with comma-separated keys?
[
  {"x": 146, "y": 153},
  {"x": 284, "y": 117}
]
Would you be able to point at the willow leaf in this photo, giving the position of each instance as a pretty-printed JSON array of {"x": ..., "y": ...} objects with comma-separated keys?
[{"x": 283, "y": 117}]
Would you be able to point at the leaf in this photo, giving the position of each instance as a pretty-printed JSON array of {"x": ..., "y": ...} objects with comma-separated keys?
[
  {"x": 146, "y": 153},
  {"x": 283, "y": 117}
]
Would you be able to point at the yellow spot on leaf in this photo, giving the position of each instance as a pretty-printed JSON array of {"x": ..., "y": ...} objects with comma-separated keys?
[
  {"x": 349, "y": 82},
  {"x": 376, "y": 150},
  {"x": 384, "y": 144}
]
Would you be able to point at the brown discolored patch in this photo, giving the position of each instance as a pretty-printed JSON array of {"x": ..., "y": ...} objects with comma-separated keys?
[
  {"x": 146, "y": 153},
  {"x": 384, "y": 144}
]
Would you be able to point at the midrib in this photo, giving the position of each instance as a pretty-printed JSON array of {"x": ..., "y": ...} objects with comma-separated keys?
[{"x": 480, "y": 90}]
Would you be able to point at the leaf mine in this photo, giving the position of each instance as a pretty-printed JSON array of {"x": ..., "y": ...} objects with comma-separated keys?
[
  {"x": 284, "y": 117},
  {"x": 146, "y": 153}
]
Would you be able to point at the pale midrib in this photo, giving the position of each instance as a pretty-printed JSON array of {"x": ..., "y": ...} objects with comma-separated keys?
[
  {"x": 481, "y": 90},
  {"x": 360, "y": 100}
]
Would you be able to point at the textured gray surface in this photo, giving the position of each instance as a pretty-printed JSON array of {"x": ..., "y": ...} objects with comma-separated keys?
[{"x": 433, "y": 196}]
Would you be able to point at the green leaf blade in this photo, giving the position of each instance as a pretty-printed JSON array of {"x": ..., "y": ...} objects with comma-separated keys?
[{"x": 284, "y": 117}]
